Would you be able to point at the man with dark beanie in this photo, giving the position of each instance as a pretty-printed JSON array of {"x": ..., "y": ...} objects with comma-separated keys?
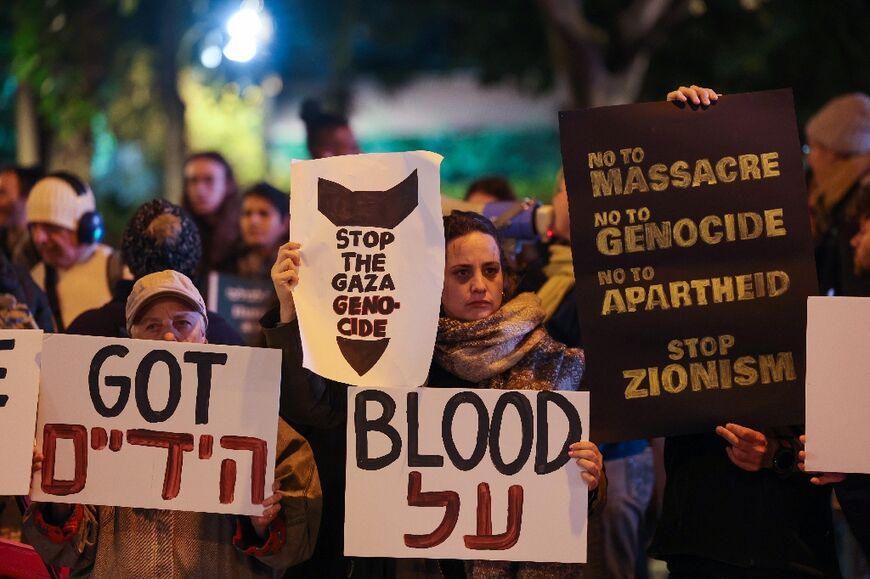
[{"x": 159, "y": 236}]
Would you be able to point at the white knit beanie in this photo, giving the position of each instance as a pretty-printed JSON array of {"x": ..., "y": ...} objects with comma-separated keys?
[
  {"x": 843, "y": 124},
  {"x": 53, "y": 200}
]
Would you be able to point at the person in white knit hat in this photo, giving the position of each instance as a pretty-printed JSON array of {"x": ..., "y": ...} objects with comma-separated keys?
[
  {"x": 76, "y": 271},
  {"x": 838, "y": 136}
]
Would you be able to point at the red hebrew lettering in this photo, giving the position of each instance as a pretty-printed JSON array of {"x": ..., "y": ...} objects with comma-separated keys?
[
  {"x": 447, "y": 499},
  {"x": 79, "y": 435},
  {"x": 177, "y": 444},
  {"x": 116, "y": 439},
  {"x": 228, "y": 481},
  {"x": 99, "y": 438},
  {"x": 484, "y": 539},
  {"x": 206, "y": 444},
  {"x": 257, "y": 447}
]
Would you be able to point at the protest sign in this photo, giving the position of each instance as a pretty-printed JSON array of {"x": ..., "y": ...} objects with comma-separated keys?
[
  {"x": 838, "y": 384},
  {"x": 166, "y": 425},
  {"x": 693, "y": 259},
  {"x": 465, "y": 474},
  {"x": 241, "y": 301},
  {"x": 372, "y": 268},
  {"x": 19, "y": 389}
]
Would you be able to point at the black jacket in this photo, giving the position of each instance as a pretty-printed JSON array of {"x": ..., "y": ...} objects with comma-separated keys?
[
  {"x": 16, "y": 280},
  {"x": 717, "y": 512}
]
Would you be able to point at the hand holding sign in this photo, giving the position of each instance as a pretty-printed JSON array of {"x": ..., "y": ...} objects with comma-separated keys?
[
  {"x": 820, "y": 478},
  {"x": 588, "y": 458},
  {"x": 285, "y": 276},
  {"x": 749, "y": 448},
  {"x": 697, "y": 94},
  {"x": 272, "y": 506}
]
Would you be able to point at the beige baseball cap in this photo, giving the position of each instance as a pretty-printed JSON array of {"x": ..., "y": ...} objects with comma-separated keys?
[{"x": 166, "y": 283}]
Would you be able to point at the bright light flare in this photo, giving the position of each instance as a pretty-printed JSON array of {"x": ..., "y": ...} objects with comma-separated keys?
[
  {"x": 211, "y": 57},
  {"x": 246, "y": 23},
  {"x": 241, "y": 49}
]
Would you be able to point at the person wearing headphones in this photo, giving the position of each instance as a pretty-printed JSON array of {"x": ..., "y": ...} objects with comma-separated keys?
[{"x": 75, "y": 270}]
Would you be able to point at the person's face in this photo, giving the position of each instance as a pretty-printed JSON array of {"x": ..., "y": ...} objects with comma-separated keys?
[
  {"x": 861, "y": 247},
  {"x": 205, "y": 185},
  {"x": 335, "y": 142},
  {"x": 57, "y": 246},
  {"x": 262, "y": 225},
  {"x": 10, "y": 196},
  {"x": 172, "y": 320},
  {"x": 481, "y": 197},
  {"x": 473, "y": 278},
  {"x": 821, "y": 160}
]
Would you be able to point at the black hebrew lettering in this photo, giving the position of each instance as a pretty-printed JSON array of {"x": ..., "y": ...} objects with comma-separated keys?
[
  {"x": 385, "y": 209},
  {"x": 524, "y": 409},
  {"x": 121, "y": 382},
  {"x": 575, "y": 431},
  {"x": 414, "y": 457},
  {"x": 450, "y": 409},
  {"x": 362, "y": 355},
  {"x": 362, "y": 426},
  {"x": 143, "y": 376},
  {"x": 204, "y": 361},
  {"x": 5, "y": 345}
]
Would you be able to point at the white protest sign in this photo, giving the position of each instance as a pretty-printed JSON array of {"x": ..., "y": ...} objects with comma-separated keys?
[
  {"x": 19, "y": 389},
  {"x": 142, "y": 423},
  {"x": 372, "y": 268},
  {"x": 465, "y": 474},
  {"x": 838, "y": 384}
]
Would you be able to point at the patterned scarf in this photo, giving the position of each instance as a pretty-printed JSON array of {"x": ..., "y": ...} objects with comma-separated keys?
[{"x": 508, "y": 350}]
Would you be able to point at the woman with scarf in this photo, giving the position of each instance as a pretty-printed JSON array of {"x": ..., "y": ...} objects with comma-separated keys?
[{"x": 487, "y": 338}]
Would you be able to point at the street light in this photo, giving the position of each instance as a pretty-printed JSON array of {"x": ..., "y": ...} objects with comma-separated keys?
[{"x": 247, "y": 28}]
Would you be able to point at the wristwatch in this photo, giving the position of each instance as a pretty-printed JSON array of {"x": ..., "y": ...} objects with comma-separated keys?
[{"x": 784, "y": 459}]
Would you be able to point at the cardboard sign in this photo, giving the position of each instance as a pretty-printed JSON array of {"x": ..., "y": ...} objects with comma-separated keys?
[
  {"x": 692, "y": 253},
  {"x": 142, "y": 423},
  {"x": 838, "y": 384},
  {"x": 372, "y": 268},
  {"x": 241, "y": 301},
  {"x": 465, "y": 474},
  {"x": 19, "y": 390}
]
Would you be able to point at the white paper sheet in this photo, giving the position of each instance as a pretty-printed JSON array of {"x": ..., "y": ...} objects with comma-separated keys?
[
  {"x": 19, "y": 388},
  {"x": 838, "y": 384}
]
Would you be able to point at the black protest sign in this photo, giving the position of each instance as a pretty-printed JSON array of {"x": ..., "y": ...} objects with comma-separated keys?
[{"x": 693, "y": 257}]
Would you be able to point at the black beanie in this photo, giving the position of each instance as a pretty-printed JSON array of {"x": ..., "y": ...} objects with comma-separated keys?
[{"x": 161, "y": 236}]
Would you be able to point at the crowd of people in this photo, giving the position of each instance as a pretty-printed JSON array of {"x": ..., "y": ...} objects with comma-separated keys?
[{"x": 729, "y": 503}]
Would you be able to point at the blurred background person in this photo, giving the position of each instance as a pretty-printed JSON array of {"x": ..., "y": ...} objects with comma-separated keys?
[
  {"x": 75, "y": 270},
  {"x": 490, "y": 189},
  {"x": 838, "y": 136},
  {"x": 264, "y": 226},
  {"x": 327, "y": 134},
  {"x": 211, "y": 195},
  {"x": 15, "y": 185},
  {"x": 160, "y": 236}
]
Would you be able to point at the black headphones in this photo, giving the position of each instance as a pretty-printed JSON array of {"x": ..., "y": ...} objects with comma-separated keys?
[{"x": 91, "y": 228}]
